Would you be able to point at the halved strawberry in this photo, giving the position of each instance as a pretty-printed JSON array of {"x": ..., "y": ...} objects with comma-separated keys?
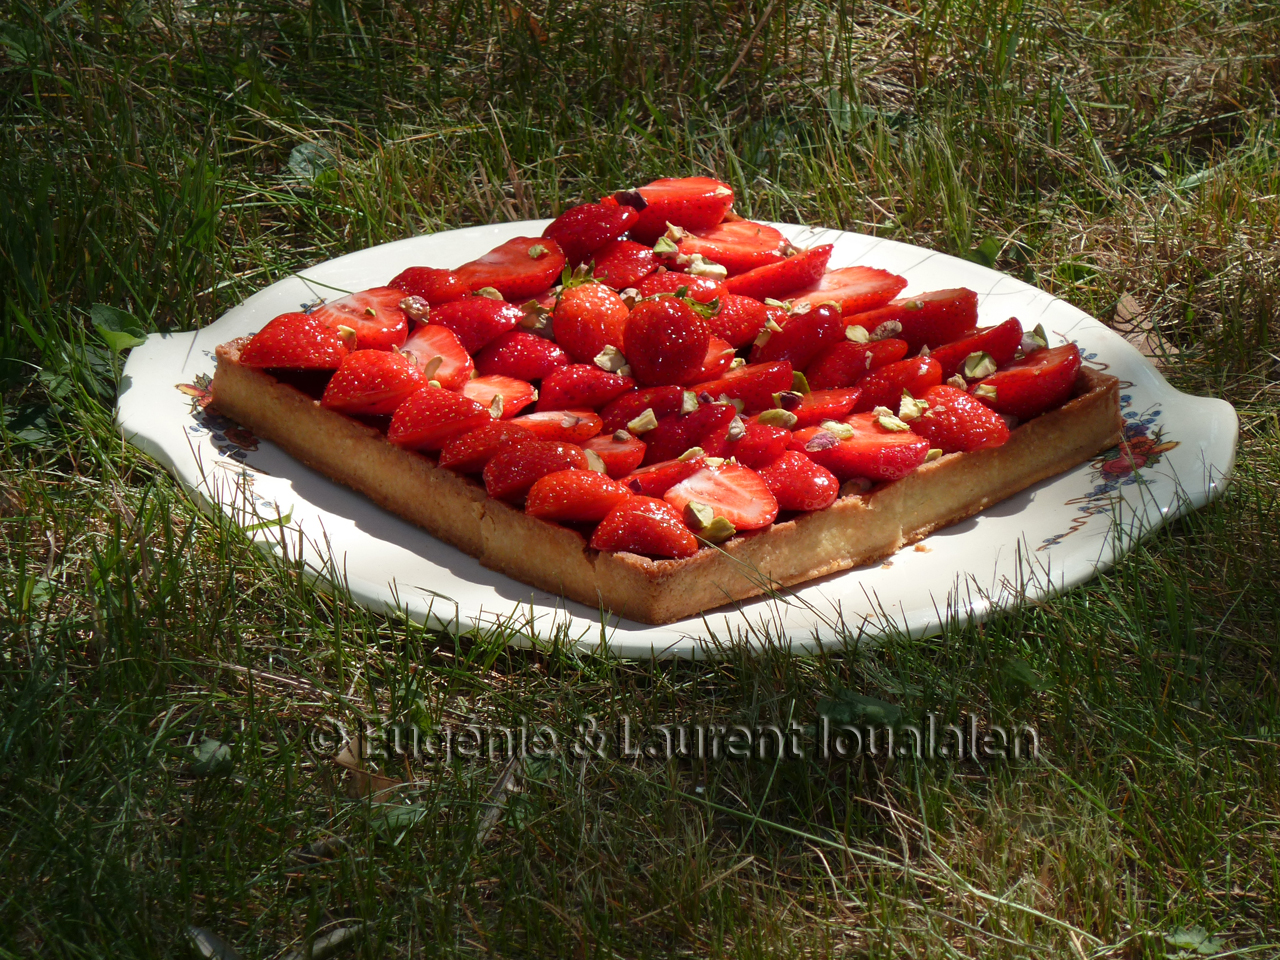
[
  {"x": 517, "y": 269},
  {"x": 503, "y": 397},
  {"x": 296, "y": 341},
  {"x": 587, "y": 318},
  {"x": 732, "y": 491},
  {"x": 872, "y": 452},
  {"x": 624, "y": 263},
  {"x": 797, "y": 483},
  {"x": 701, "y": 289},
  {"x": 440, "y": 355},
  {"x": 663, "y": 401},
  {"x": 846, "y": 363},
  {"x": 737, "y": 245},
  {"x": 374, "y": 315},
  {"x": 665, "y": 341},
  {"x": 750, "y": 442},
  {"x": 818, "y": 405},
  {"x": 431, "y": 284},
  {"x": 582, "y": 230},
  {"x": 520, "y": 354},
  {"x": 856, "y": 289},
  {"x": 755, "y": 384},
  {"x": 716, "y": 363},
  {"x": 645, "y": 525},
  {"x": 801, "y": 338},
  {"x": 428, "y": 419},
  {"x": 513, "y": 470},
  {"x": 956, "y": 421},
  {"x": 680, "y": 432},
  {"x": 883, "y": 387},
  {"x": 694, "y": 203},
  {"x": 372, "y": 383},
  {"x": 1028, "y": 387},
  {"x": 620, "y": 451},
  {"x": 569, "y": 426},
  {"x": 574, "y": 496},
  {"x": 778, "y": 280},
  {"x": 740, "y": 319},
  {"x": 581, "y": 386},
  {"x": 657, "y": 478},
  {"x": 477, "y": 321},
  {"x": 469, "y": 452},
  {"x": 929, "y": 319},
  {"x": 999, "y": 342}
]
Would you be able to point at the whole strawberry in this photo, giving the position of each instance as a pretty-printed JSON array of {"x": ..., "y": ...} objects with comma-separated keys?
[
  {"x": 296, "y": 341},
  {"x": 581, "y": 386},
  {"x": 520, "y": 354},
  {"x": 645, "y": 525},
  {"x": 584, "y": 229},
  {"x": 510, "y": 474},
  {"x": 665, "y": 341},
  {"x": 372, "y": 383},
  {"x": 587, "y": 318},
  {"x": 431, "y": 284}
]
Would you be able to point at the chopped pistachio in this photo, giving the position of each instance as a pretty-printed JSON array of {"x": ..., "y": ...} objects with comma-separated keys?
[
  {"x": 416, "y": 307},
  {"x": 933, "y": 454},
  {"x": 536, "y": 251},
  {"x": 495, "y": 406},
  {"x": 799, "y": 382},
  {"x": 698, "y": 515},
  {"x": 700, "y": 266},
  {"x": 737, "y": 429},
  {"x": 570, "y": 420},
  {"x": 883, "y": 412},
  {"x": 688, "y": 401},
  {"x": 610, "y": 359},
  {"x": 799, "y": 309},
  {"x": 924, "y": 352},
  {"x": 858, "y": 334},
  {"x": 978, "y": 365},
  {"x": 958, "y": 382},
  {"x": 715, "y": 461},
  {"x": 432, "y": 367},
  {"x": 675, "y": 234},
  {"x": 892, "y": 424},
  {"x": 788, "y": 399},
  {"x": 890, "y": 328},
  {"x": 841, "y": 431},
  {"x": 778, "y": 417},
  {"x": 987, "y": 390},
  {"x": 737, "y": 363},
  {"x": 434, "y": 383},
  {"x": 691, "y": 454},
  {"x": 717, "y": 531},
  {"x": 347, "y": 335},
  {"x": 911, "y": 305},
  {"x": 723, "y": 192},
  {"x": 821, "y": 441},
  {"x": 734, "y": 402},
  {"x": 370, "y": 312},
  {"x": 665, "y": 246},
  {"x": 910, "y": 408},
  {"x": 1033, "y": 340},
  {"x": 784, "y": 304},
  {"x": 489, "y": 292},
  {"x": 621, "y": 436},
  {"x": 594, "y": 462}
]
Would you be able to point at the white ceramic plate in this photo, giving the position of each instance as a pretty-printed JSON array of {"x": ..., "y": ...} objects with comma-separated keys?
[{"x": 1044, "y": 540}]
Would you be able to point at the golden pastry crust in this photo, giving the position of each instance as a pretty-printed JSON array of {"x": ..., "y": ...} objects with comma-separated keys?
[{"x": 853, "y": 531}]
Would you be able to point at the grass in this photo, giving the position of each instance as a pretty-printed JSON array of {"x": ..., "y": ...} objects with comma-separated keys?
[{"x": 1100, "y": 151}]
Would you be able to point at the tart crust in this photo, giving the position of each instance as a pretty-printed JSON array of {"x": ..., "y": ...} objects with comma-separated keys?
[{"x": 855, "y": 530}]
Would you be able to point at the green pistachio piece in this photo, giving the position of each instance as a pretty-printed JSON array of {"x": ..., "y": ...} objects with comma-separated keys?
[
  {"x": 777, "y": 417},
  {"x": 643, "y": 423},
  {"x": 978, "y": 365}
]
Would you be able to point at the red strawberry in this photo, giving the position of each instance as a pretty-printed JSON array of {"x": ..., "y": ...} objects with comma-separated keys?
[
  {"x": 756, "y": 443},
  {"x": 515, "y": 395},
  {"x": 1028, "y": 387},
  {"x": 374, "y": 315},
  {"x": 517, "y": 269},
  {"x": 819, "y": 405},
  {"x": 677, "y": 433},
  {"x": 873, "y": 452},
  {"x": 645, "y": 525},
  {"x": 513, "y": 470},
  {"x": 520, "y": 354},
  {"x": 665, "y": 341},
  {"x": 656, "y": 479},
  {"x": 624, "y": 263},
  {"x": 297, "y": 341},
  {"x": 701, "y": 289},
  {"x": 587, "y": 318},
  {"x": 574, "y": 496},
  {"x": 847, "y": 362},
  {"x": 855, "y": 288},
  {"x": 956, "y": 421},
  {"x": 755, "y": 384},
  {"x": 581, "y": 386},
  {"x": 694, "y": 203},
  {"x": 431, "y": 284},
  {"x": 620, "y": 451},
  {"x": 476, "y": 320},
  {"x": 739, "y": 319},
  {"x": 930, "y": 319},
  {"x": 778, "y": 280},
  {"x": 801, "y": 338},
  {"x": 716, "y": 363},
  {"x": 428, "y": 419},
  {"x": 372, "y": 383},
  {"x": 469, "y": 452},
  {"x": 883, "y": 387},
  {"x": 568, "y": 426},
  {"x": 440, "y": 355},
  {"x": 663, "y": 401},
  {"x": 732, "y": 491},
  {"x": 798, "y": 483},
  {"x": 581, "y": 231},
  {"x": 1000, "y": 342},
  {"x": 737, "y": 245}
]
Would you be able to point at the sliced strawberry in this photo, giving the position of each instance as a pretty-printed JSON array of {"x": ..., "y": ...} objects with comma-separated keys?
[
  {"x": 428, "y": 419},
  {"x": 624, "y": 263},
  {"x": 956, "y": 421},
  {"x": 873, "y": 452},
  {"x": 513, "y": 470},
  {"x": 819, "y": 405},
  {"x": 665, "y": 342},
  {"x": 732, "y": 491},
  {"x": 753, "y": 445},
  {"x": 1000, "y": 342},
  {"x": 797, "y": 483},
  {"x": 801, "y": 338},
  {"x": 778, "y": 280},
  {"x": 663, "y": 401},
  {"x": 856, "y": 289},
  {"x": 520, "y": 354},
  {"x": 374, "y": 315},
  {"x": 737, "y": 245},
  {"x": 574, "y": 496},
  {"x": 581, "y": 386},
  {"x": 587, "y": 318},
  {"x": 930, "y": 319},
  {"x": 581, "y": 231},
  {"x": 700, "y": 289},
  {"x": 846, "y": 363},
  {"x": 431, "y": 284},
  {"x": 517, "y": 269},
  {"x": 477, "y": 321},
  {"x": 755, "y": 384},
  {"x": 1028, "y": 387},
  {"x": 680, "y": 432},
  {"x": 695, "y": 203},
  {"x": 469, "y": 452},
  {"x": 515, "y": 395},
  {"x": 296, "y": 341},
  {"x": 883, "y": 387},
  {"x": 716, "y": 363},
  {"x": 440, "y": 355},
  {"x": 568, "y": 426},
  {"x": 739, "y": 319},
  {"x": 657, "y": 478},
  {"x": 620, "y": 451},
  {"x": 372, "y": 383},
  {"x": 645, "y": 525}
]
